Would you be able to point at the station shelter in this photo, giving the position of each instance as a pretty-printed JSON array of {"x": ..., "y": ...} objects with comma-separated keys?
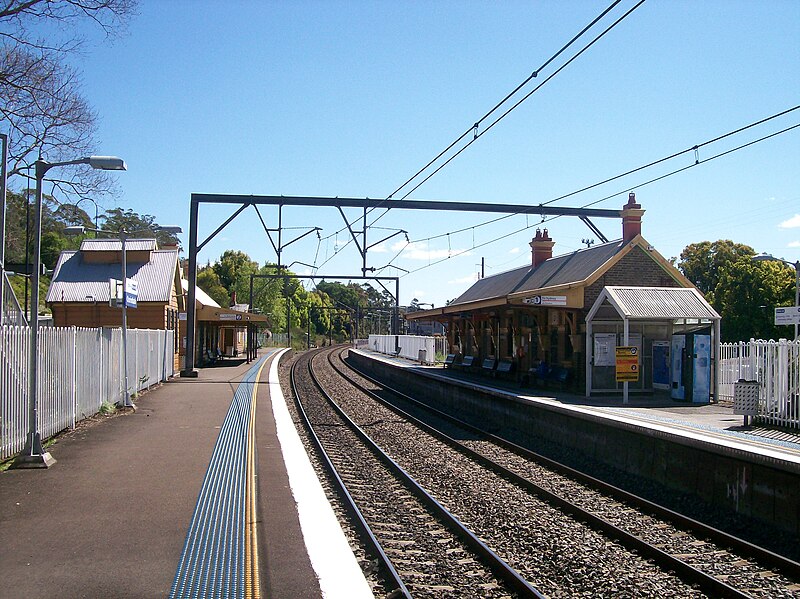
[
  {"x": 221, "y": 332},
  {"x": 535, "y": 320}
]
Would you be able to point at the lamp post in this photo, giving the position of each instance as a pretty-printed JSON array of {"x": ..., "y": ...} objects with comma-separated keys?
[
  {"x": 33, "y": 455},
  {"x": 123, "y": 237},
  {"x": 796, "y": 266},
  {"x": 96, "y": 211}
]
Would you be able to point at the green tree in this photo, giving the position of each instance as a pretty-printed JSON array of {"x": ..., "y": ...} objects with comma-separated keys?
[
  {"x": 137, "y": 225},
  {"x": 701, "y": 262},
  {"x": 234, "y": 269},
  {"x": 746, "y": 295},
  {"x": 208, "y": 281}
]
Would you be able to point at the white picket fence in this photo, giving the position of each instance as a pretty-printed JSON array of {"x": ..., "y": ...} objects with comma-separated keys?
[
  {"x": 79, "y": 369},
  {"x": 409, "y": 346},
  {"x": 776, "y": 366}
]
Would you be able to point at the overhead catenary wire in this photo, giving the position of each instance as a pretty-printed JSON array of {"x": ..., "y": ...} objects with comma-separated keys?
[
  {"x": 608, "y": 197},
  {"x": 646, "y": 166},
  {"x": 473, "y": 128}
]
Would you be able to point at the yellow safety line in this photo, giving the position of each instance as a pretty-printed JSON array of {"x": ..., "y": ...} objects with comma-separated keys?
[{"x": 252, "y": 584}]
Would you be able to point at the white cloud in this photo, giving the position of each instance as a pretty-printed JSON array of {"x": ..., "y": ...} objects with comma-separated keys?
[
  {"x": 514, "y": 251},
  {"x": 794, "y": 244},
  {"x": 792, "y": 223},
  {"x": 379, "y": 249}
]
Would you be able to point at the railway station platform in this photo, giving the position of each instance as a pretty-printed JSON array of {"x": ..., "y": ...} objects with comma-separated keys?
[
  {"x": 711, "y": 423},
  {"x": 702, "y": 454},
  {"x": 114, "y": 517}
]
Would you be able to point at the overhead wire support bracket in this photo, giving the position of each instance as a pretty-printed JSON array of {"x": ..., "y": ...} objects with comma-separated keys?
[{"x": 594, "y": 229}]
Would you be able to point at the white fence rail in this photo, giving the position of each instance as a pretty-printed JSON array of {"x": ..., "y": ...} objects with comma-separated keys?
[
  {"x": 78, "y": 370},
  {"x": 407, "y": 346},
  {"x": 776, "y": 367}
]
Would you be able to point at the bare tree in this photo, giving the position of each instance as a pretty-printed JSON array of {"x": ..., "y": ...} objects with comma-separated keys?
[{"x": 42, "y": 106}]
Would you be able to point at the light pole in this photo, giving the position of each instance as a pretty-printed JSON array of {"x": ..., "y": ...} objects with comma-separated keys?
[
  {"x": 96, "y": 211},
  {"x": 33, "y": 455},
  {"x": 123, "y": 237},
  {"x": 796, "y": 266}
]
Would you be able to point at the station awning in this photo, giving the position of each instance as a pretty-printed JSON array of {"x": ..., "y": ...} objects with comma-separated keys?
[{"x": 656, "y": 303}]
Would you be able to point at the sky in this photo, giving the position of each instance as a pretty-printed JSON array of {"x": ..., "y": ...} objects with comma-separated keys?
[{"x": 350, "y": 99}]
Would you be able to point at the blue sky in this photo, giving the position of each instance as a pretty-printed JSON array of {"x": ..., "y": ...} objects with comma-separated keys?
[{"x": 351, "y": 98}]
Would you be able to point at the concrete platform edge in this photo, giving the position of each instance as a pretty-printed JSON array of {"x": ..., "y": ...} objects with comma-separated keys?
[{"x": 331, "y": 557}]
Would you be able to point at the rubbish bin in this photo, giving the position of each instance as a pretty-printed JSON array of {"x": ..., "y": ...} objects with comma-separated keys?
[
  {"x": 423, "y": 356},
  {"x": 745, "y": 398}
]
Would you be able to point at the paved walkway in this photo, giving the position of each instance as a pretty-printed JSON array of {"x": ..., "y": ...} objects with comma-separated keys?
[{"x": 110, "y": 518}]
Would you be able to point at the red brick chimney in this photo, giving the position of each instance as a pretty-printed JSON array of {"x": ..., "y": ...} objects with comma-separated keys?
[
  {"x": 541, "y": 248},
  {"x": 631, "y": 218}
]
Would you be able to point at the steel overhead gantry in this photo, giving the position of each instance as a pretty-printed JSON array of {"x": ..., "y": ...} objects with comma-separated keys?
[
  {"x": 244, "y": 201},
  {"x": 285, "y": 276}
]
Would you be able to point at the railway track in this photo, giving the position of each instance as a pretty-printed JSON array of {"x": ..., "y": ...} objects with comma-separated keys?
[
  {"x": 419, "y": 547},
  {"x": 716, "y": 562}
]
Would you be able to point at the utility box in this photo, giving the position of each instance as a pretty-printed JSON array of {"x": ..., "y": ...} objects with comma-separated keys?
[{"x": 423, "y": 356}]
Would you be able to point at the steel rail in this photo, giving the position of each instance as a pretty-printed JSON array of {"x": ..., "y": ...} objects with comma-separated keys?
[
  {"x": 373, "y": 545},
  {"x": 782, "y": 563},
  {"x": 499, "y": 566},
  {"x": 687, "y": 572}
]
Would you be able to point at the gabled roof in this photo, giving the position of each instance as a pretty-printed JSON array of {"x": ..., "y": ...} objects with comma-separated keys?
[
  {"x": 580, "y": 268},
  {"x": 656, "y": 303},
  {"x": 560, "y": 270},
  {"x": 199, "y": 295},
  {"x": 75, "y": 280}
]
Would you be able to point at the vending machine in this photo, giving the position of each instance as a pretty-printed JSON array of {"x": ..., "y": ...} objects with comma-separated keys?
[{"x": 690, "y": 367}]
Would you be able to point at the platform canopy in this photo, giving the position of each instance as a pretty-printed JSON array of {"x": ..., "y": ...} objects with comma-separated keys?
[
  {"x": 656, "y": 303},
  {"x": 652, "y": 304}
]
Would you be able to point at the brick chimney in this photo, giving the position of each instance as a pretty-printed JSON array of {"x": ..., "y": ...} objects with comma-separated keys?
[
  {"x": 233, "y": 298},
  {"x": 631, "y": 218},
  {"x": 541, "y": 248}
]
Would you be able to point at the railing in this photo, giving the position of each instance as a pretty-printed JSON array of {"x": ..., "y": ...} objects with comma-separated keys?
[
  {"x": 79, "y": 369},
  {"x": 10, "y": 312},
  {"x": 776, "y": 366},
  {"x": 408, "y": 346}
]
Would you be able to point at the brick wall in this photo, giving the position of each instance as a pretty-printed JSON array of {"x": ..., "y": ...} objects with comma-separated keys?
[{"x": 637, "y": 269}]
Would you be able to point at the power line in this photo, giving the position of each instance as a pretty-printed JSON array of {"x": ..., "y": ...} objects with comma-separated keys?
[
  {"x": 608, "y": 197},
  {"x": 476, "y": 125},
  {"x": 632, "y": 171}
]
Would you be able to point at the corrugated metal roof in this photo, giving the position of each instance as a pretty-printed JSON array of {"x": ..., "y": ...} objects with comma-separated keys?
[
  {"x": 199, "y": 295},
  {"x": 560, "y": 270},
  {"x": 660, "y": 302},
  {"x": 75, "y": 280},
  {"x": 115, "y": 245}
]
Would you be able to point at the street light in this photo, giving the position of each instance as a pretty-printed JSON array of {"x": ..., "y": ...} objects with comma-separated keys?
[
  {"x": 796, "y": 266},
  {"x": 123, "y": 236},
  {"x": 33, "y": 455},
  {"x": 96, "y": 210}
]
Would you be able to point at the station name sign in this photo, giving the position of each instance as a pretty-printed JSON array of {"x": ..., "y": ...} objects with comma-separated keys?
[
  {"x": 787, "y": 315},
  {"x": 546, "y": 300}
]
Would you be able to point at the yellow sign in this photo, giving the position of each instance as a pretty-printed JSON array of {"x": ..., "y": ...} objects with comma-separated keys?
[{"x": 627, "y": 363}]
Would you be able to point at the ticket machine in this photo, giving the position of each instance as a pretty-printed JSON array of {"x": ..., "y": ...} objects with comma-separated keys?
[{"x": 690, "y": 366}]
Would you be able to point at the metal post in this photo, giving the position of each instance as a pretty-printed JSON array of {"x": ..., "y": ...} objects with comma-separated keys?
[
  {"x": 33, "y": 455},
  {"x": 188, "y": 367},
  {"x": 796, "y": 293},
  {"x": 3, "y": 165},
  {"x": 126, "y": 398}
]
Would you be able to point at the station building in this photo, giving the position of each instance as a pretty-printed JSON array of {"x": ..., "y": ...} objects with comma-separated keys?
[{"x": 560, "y": 319}]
